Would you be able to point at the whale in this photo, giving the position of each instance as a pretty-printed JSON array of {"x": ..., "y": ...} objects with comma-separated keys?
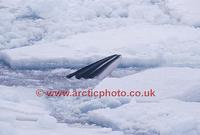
[{"x": 99, "y": 69}]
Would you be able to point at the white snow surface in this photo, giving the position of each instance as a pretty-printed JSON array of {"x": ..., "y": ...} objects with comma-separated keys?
[
  {"x": 141, "y": 45},
  {"x": 27, "y": 22},
  {"x": 164, "y": 114},
  {"x": 22, "y": 113},
  {"x": 186, "y": 11},
  {"x": 168, "y": 117},
  {"x": 174, "y": 110},
  {"x": 160, "y": 36},
  {"x": 179, "y": 83}
]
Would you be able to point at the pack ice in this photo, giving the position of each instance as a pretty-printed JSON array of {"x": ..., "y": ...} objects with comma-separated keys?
[{"x": 41, "y": 39}]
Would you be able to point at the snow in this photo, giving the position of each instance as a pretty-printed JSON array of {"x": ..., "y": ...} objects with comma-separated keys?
[
  {"x": 167, "y": 82},
  {"x": 75, "y": 110},
  {"x": 186, "y": 11},
  {"x": 168, "y": 117},
  {"x": 20, "y": 103},
  {"x": 175, "y": 105},
  {"x": 22, "y": 112},
  {"x": 43, "y": 41},
  {"x": 63, "y": 129},
  {"x": 30, "y": 22},
  {"x": 174, "y": 110},
  {"x": 47, "y": 122},
  {"x": 138, "y": 44}
]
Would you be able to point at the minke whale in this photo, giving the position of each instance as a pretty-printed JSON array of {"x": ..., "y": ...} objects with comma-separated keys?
[{"x": 99, "y": 69}]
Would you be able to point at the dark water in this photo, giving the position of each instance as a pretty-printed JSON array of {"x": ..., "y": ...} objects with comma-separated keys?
[{"x": 52, "y": 78}]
